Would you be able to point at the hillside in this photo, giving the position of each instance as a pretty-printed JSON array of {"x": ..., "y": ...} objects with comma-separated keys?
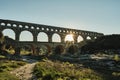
[{"x": 107, "y": 42}]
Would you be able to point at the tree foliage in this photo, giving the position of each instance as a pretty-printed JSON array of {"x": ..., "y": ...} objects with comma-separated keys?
[
  {"x": 72, "y": 49},
  {"x": 59, "y": 49},
  {"x": 1, "y": 37}
]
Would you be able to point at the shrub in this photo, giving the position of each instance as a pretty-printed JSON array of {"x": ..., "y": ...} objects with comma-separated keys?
[{"x": 116, "y": 57}]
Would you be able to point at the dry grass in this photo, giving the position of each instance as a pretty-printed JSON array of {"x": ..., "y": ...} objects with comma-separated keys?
[
  {"x": 49, "y": 70},
  {"x": 6, "y": 66}
]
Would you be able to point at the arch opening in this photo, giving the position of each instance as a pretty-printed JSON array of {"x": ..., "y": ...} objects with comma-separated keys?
[
  {"x": 8, "y": 24},
  {"x": 14, "y": 25},
  {"x": 3, "y": 24},
  {"x": 44, "y": 50},
  {"x": 56, "y": 38},
  {"x": 88, "y": 38},
  {"x": 42, "y": 37},
  {"x": 95, "y": 37},
  {"x": 69, "y": 37},
  {"x": 26, "y": 36},
  {"x": 79, "y": 39},
  {"x": 9, "y": 32}
]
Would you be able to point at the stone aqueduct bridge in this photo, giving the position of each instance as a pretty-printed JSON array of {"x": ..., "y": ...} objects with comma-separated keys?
[{"x": 35, "y": 29}]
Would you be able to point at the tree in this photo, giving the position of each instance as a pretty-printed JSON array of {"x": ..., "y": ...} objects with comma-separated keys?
[
  {"x": 72, "y": 49},
  {"x": 1, "y": 37},
  {"x": 59, "y": 49},
  {"x": 1, "y": 41}
]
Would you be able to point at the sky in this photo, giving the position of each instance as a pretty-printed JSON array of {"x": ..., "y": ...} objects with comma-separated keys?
[{"x": 92, "y": 15}]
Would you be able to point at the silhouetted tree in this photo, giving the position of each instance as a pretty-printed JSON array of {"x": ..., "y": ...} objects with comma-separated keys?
[
  {"x": 72, "y": 49},
  {"x": 17, "y": 51},
  {"x": 107, "y": 42},
  {"x": 59, "y": 49},
  {"x": 33, "y": 47},
  {"x": 1, "y": 41},
  {"x": 1, "y": 37}
]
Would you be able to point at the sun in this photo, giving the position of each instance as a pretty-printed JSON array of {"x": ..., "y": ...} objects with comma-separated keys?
[{"x": 69, "y": 37}]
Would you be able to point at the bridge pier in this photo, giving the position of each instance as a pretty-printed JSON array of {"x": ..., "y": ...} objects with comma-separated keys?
[
  {"x": 49, "y": 37},
  {"x": 92, "y": 37},
  {"x": 34, "y": 36},
  {"x": 17, "y": 35},
  {"x": 63, "y": 38},
  {"x": 84, "y": 38}
]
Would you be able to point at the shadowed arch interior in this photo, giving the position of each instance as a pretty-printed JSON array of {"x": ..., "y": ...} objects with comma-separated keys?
[
  {"x": 56, "y": 38},
  {"x": 42, "y": 37},
  {"x": 9, "y": 32},
  {"x": 26, "y": 36}
]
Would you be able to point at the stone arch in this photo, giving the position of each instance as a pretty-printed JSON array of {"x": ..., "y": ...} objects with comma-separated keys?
[
  {"x": 26, "y": 27},
  {"x": 14, "y": 25},
  {"x": 3, "y": 24},
  {"x": 9, "y": 32},
  {"x": 42, "y": 37},
  {"x": 37, "y": 28},
  {"x": 20, "y": 26},
  {"x": 44, "y": 49},
  {"x": 8, "y": 24},
  {"x": 79, "y": 38},
  {"x": 69, "y": 37},
  {"x": 26, "y": 36},
  {"x": 88, "y": 38},
  {"x": 47, "y": 29},
  {"x": 56, "y": 38},
  {"x": 95, "y": 37}
]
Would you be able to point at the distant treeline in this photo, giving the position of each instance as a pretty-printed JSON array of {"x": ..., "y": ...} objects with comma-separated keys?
[{"x": 107, "y": 42}]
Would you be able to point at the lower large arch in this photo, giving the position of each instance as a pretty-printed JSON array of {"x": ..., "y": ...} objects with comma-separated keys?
[
  {"x": 69, "y": 38},
  {"x": 26, "y": 36},
  {"x": 9, "y": 32},
  {"x": 56, "y": 38},
  {"x": 79, "y": 39},
  {"x": 42, "y": 37},
  {"x": 43, "y": 50}
]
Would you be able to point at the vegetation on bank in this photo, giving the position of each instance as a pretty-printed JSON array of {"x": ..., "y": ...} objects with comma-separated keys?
[
  {"x": 55, "y": 70},
  {"x": 7, "y": 76},
  {"x": 8, "y": 65}
]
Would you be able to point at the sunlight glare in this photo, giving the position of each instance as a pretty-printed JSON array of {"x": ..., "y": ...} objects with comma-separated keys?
[{"x": 69, "y": 37}]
